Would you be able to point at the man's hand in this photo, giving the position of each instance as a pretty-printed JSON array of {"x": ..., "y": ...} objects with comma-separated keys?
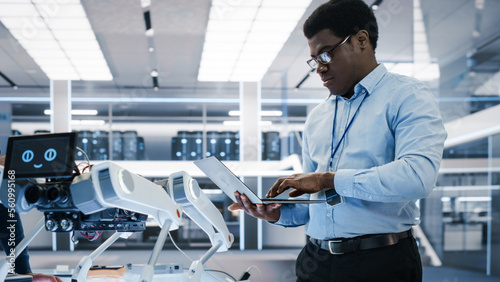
[
  {"x": 270, "y": 212},
  {"x": 302, "y": 183},
  {"x": 2, "y": 160},
  {"x": 38, "y": 277}
]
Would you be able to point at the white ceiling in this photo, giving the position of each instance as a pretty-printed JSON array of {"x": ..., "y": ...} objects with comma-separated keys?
[{"x": 178, "y": 40}]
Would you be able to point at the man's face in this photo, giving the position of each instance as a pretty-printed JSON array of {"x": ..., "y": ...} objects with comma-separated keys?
[{"x": 339, "y": 76}]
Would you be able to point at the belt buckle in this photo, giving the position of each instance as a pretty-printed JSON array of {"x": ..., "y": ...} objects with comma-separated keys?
[{"x": 330, "y": 243}]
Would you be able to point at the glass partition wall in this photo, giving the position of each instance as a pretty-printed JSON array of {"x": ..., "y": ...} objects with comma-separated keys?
[{"x": 461, "y": 216}]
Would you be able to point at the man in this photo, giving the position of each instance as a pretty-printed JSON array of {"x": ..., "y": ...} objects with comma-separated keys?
[
  {"x": 372, "y": 149},
  {"x": 22, "y": 264}
]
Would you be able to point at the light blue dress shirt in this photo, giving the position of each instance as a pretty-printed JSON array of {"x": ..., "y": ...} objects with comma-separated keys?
[{"x": 388, "y": 159}]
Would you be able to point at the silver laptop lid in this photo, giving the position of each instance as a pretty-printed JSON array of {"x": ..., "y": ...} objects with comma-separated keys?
[{"x": 229, "y": 183}]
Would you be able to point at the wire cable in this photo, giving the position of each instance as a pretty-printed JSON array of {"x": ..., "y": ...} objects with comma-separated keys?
[
  {"x": 177, "y": 247},
  {"x": 85, "y": 154},
  {"x": 206, "y": 270}
]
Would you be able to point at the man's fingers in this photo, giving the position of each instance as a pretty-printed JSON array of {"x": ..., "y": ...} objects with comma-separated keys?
[
  {"x": 272, "y": 191},
  {"x": 285, "y": 185},
  {"x": 240, "y": 201},
  {"x": 295, "y": 193},
  {"x": 234, "y": 207},
  {"x": 246, "y": 203},
  {"x": 281, "y": 185}
]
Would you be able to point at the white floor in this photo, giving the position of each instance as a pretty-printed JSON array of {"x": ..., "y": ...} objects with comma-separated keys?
[
  {"x": 266, "y": 265},
  {"x": 275, "y": 265}
]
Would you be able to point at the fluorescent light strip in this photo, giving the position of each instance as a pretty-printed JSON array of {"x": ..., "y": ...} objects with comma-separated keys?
[
  {"x": 242, "y": 42},
  {"x": 238, "y": 123},
  {"x": 474, "y": 199},
  {"x": 58, "y": 37},
  {"x": 75, "y": 112},
  {"x": 262, "y": 113}
]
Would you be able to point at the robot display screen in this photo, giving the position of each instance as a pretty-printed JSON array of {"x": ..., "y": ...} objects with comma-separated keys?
[{"x": 44, "y": 155}]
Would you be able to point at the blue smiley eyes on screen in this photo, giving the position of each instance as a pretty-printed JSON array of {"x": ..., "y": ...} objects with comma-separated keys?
[
  {"x": 28, "y": 156},
  {"x": 50, "y": 154}
]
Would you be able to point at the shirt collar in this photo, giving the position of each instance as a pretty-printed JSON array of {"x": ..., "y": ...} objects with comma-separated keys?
[{"x": 369, "y": 82}]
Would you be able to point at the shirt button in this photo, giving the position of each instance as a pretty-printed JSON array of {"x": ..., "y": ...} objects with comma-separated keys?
[
  {"x": 344, "y": 191},
  {"x": 336, "y": 157},
  {"x": 329, "y": 214},
  {"x": 370, "y": 197}
]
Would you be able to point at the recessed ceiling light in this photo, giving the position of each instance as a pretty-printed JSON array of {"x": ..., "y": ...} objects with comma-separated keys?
[
  {"x": 58, "y": 37},
  {"x": 243, "y": 41}
]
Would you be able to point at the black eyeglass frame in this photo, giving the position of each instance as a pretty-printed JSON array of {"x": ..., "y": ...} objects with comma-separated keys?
[{"x": 325, "y": 57}]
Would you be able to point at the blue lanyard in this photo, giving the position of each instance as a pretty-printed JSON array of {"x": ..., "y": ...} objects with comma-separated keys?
[{"x": 330, "y": 165}]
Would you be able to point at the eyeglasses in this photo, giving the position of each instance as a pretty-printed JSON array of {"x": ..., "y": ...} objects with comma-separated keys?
[{"x": 325, "y": 57}]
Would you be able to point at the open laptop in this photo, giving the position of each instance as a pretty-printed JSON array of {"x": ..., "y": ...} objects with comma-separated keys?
[{"x": 229, "y": 183}]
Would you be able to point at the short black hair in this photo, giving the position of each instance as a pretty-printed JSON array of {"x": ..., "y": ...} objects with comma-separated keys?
[{"x": 343, "y": 18}]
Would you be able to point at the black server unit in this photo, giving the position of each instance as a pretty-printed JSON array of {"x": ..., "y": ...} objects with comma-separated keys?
[
  {"x": 271, "y": 146},
  {"x": 100, "y": 145},
  {"x": 226, "y": 146},
  {"x": 84, "y": 142},
  {"x": 141, "y": 149},
  {"x": 177, "y": 154},
  {"x": 117, "y": 148},
  {"x": 195, "y": 145},
  {"x": 181, "y": 146},
  {"x": 129, "y": 145},
  {"x": 237, "y": 146},
  {"x": 213, "y": 143}
]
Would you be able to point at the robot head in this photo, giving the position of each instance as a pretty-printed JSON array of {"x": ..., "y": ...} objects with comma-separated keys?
[{"x": 41, "y": 156}]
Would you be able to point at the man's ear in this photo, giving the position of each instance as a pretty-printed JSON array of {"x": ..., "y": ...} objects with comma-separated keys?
[{"x": 362, "y": 39}]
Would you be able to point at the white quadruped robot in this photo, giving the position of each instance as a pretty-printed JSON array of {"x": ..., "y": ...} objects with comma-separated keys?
[{"x": 108, "y": 197}]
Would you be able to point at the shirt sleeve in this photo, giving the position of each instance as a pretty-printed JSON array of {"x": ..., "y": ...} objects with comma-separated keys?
[
  {"x": 419, "y": 136},
  {"x": 308, "y": 165},
  {"x": 293, "y": 215}
]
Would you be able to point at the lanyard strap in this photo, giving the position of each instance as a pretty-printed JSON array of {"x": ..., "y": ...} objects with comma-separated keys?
[{"x": 330, "y": 165}]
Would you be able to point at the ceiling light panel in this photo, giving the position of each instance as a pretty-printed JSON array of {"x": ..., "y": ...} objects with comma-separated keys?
[
  {"x": 17, "y": 10},
  {"x": 243, "y": 38},
  {"x": 58, "y": 36}
]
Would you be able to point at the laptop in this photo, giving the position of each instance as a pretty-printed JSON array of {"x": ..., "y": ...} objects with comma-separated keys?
[{"x": 229, "y": 183}]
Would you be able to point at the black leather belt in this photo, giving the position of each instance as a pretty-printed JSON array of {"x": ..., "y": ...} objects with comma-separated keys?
[{"x": 348, "y": 245}]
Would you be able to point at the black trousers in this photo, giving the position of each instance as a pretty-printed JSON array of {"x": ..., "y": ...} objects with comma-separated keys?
[{"x": 399, "y": 262}]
